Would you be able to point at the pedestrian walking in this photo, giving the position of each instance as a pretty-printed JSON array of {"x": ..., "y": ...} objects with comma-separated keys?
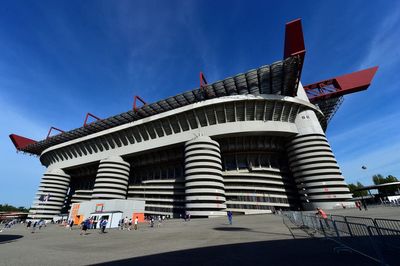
[
  {"x": 103, "y": 226},
  {"x": 120, "y": 223},
  {"x": 126, "y": 222},
  {"x": 159, "y": 221},
  {"x": 91, "y": 221},
  {"x": 152, "y": 221},
  {"x": 229, "y": 214},
  {"x": 85, "y": 225},
  {"x": 34, "y": 227},
  {"x": 365, "y": 205},
  {"x": 322, "y": 215},
  {"x": 358, "y": 205},
  {"x": 71, "y": 223},
  {"x": 136, "y": 223},
  {"x": 100, "y": 221},
  {"x": 41, "y": 224}
]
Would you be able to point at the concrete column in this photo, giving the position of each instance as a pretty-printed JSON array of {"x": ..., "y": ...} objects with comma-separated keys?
[
  {"x": 112, "y": 179},
  {"x": 53, "y": 189},
  {"x": 317, "y": 175},
  {"x": 204, "y": 187}
]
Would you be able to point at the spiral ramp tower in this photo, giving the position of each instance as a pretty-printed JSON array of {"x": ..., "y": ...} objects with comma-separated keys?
[
  {"x": 51, "y": 194},
  {"x": 317, "y": 175},
  {"x": 112, "y": 179},
  {"x": 204, "y": 187}
]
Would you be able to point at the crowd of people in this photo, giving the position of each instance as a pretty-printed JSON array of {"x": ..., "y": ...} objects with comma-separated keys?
[{"x": 126, "y": 224}]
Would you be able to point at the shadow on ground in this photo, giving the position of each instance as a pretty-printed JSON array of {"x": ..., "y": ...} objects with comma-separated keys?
[
  {"x": 9, "y": 238},
  {"x": 278, "y": 252},
  {"x": 232, "y": 229}
]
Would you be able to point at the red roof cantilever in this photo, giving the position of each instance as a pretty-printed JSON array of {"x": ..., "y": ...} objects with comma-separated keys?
[
  {"x": 294, "y": 45},
  {"x": 294, "y": 39},
  {"x": 21, "y": 142},
  {"x": 339, "y": 86}
]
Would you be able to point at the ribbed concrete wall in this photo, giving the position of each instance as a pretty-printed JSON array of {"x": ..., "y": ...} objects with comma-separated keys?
[
  {"x": 81, "y": 196},
  {"x": 204, "y": 187},
  {"x": 55, "y": 183},
  {"x": 316, "y": 172},
  {"x": 112, "y": 179},
  {"x": 317, "y": 175}
]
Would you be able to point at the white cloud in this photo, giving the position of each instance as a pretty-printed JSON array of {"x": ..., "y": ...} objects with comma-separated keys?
[{"x": 385, "y": 47}]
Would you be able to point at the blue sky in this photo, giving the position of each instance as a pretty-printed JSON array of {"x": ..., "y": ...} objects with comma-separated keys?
[{"x": 62, "y": 59}]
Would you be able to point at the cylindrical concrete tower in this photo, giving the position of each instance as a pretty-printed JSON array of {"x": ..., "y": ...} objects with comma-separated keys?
[
  {"x": 111, "y": 179},
  {"x": 51, "y": 194},
  {"x": 204, "y": 187},
  {"x": 317, "y": 175}
]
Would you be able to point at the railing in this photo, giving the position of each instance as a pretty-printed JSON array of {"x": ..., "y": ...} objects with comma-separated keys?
[
  {"x": 377, "y": 239},
  {"x": 388, "y": 223}
]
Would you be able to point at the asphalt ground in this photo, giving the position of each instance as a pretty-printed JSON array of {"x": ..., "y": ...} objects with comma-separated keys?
[{"x": 251, "y": 240}]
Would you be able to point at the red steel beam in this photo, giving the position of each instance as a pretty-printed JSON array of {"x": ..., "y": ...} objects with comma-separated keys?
[
  {"x": 294, "y": 45},
  {"x": 51, "y": 129},
  {"x": 21, "y": 142},
  {"x": 294, "y": 39},
  {"x": 134, "y": 102},
  {"x": 338, "y": 86},
  {"x": 87, "y": 117},
  {"x": 203, "y": 80}
]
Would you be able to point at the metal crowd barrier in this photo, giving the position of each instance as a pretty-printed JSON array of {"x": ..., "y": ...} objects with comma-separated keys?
[
  {"x": 377, "y": 239},
  {"x": 387, "y": 223}
]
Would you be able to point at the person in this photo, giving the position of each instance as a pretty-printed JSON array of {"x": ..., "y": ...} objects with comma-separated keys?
[
  {"x": 103, "y": 226},
  {"x": 365, "y": 205},
  {"x": 85, "y": 225},
  {"x": 159, "y": 221},
  {"x": 358, "y": 205},
  {"x": 29, "y": 224},
  {"x": 100, "y": 221},
  {"x": 41, "y": 223},
  {"x": 126, "y": 222},
  {"x": 229, "y": 213},
  {"x": 130, "y": 224},
  {"x": 121, "y": 224},
  {"x": 322, "y": 215},
  {"x": 34, "y": 227},
  {"x": 152, "y": 221},
  {"x": 71, "y": 223},
  {"x": 136, "y": 223}
]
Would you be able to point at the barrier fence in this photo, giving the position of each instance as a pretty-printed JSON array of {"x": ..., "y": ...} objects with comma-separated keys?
[{"x": 377, "y": 239}]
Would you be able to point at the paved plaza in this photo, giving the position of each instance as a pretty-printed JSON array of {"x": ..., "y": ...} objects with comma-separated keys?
[{"x": 251, "y": 240}]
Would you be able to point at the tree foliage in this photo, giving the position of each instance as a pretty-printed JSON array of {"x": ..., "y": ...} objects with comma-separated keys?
[
  {"x": 354, "y": 187},
  {"x": 379, "y": 179},
  {"x": 10, "y": 208}
]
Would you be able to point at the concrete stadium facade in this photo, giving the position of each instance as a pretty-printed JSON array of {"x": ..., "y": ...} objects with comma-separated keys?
[
  {"x": 245, "y": 153},
  {"x": 251, "y": 143}
]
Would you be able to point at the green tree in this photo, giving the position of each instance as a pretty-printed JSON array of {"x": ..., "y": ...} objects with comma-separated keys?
[
  {"x": 10, "y": 208},
  {"x": 379, "y": 180},
  {"x": 354, "y": 187}
]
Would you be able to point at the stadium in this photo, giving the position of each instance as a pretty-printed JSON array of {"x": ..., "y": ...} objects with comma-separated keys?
[{"x": 250, "y": 144}]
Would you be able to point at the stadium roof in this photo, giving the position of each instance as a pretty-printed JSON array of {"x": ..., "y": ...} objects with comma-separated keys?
[{"x": 279, "y": 78}]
